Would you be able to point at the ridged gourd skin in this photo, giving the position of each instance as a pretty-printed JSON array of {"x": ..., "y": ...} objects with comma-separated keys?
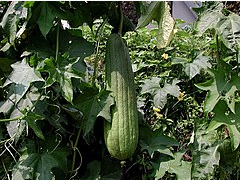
[{"x": 121, "y": 135}]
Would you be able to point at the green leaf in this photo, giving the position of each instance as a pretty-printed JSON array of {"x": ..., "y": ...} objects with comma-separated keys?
[
  {"x": 154, "y": 141},
  {"x": 47, "y": 14},
  {"x": 20, "y": 113},
  {"x": 11, "y": 18},
  {"x": 62, "y": 71},
  {"x": 228, "y": 29},
  {"x": 32, "y": 119},
  {"x": 110, "y": 169},
  {"x": 151, "y": 13},
  {"x": 93, "y": 104},
  {"x": 160, "y": 98},
  {"x": 6, "y": 64},
  {"x": 93, "y": 171},
  {"x": 223, "y": 85},
  {"x": 228, "y": 157},
  {"x": 20, "y": 79},
  {"x": 231, "y": 120},
  {"x": 165, "y": 27},
  {"x": 205, "y": 151},
  {"x": 199, "y": 63},
  {"x": 75, "y": 46},
  {"x": 28, "y": 4},
  {"x": 150, "y": 85},
  {"x": 39, "y": 166},
  {"x": 195, "y": 67},
  {"x": 209, "y": 19},
  {"x": 181, "y": 168},
  {"x": 22, "y": 74}
]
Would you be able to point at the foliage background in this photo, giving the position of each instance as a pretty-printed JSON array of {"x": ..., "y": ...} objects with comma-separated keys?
[{"x": 53, "y": 99}]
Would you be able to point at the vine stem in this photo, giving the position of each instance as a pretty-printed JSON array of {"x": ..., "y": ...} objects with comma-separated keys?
[
  {"x": 237, "y": 57},
  {"x": 75, "y": 148},
  {"x": 5, "y": 169},
  {"x": 57, "y": 42},
  {"x": 98, "y": 34},
  {"x": 218, "y": 52}
]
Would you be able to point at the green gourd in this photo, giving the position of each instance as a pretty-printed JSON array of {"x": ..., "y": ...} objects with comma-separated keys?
[{"x": 121, "y": 135}]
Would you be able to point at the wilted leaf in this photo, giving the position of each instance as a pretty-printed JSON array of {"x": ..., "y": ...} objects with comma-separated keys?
[
  {"x": 165, "y": 27},
  {"x": 160, "y": 12}
]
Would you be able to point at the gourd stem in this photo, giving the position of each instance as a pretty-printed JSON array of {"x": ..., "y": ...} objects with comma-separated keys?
[{"x": 121, "y": 19}]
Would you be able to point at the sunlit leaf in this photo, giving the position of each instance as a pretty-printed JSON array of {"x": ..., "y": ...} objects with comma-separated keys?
[
  {"x": 150, "y": 85},
  {"x": 205, "y": 151},
  {"x": 20, "y": 79},
  {"x": 199, "y": 63},
  {"x": 11, "y": 18},
  {"x": 209, "y": 19},
  {"x": 228, "y": 29},
  {"x": 160, "y": 98},
  {"x": 159, "y": 94},
  {"x": 193, "y": 68}
]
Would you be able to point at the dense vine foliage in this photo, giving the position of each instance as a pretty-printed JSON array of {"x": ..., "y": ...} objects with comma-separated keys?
[{"x": 54, "y": 101}]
